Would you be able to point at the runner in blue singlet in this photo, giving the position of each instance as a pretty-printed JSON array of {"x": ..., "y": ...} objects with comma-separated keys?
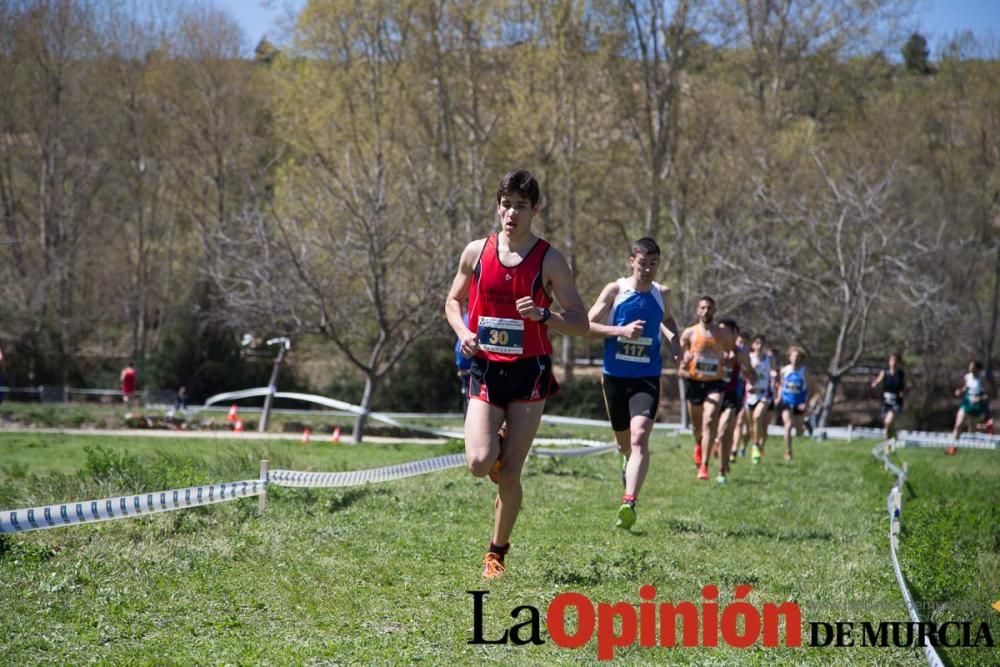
[
  {"x": 630, "y": 315},
  {"x": 793, "y": 394}
]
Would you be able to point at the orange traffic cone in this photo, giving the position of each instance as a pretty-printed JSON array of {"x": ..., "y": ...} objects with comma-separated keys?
[
  {"x": 335, "y": 436},
  {"x": 232, "y": 413},
  {"x": 238, "y": 426},
  {"x": 305, "y": 436}
]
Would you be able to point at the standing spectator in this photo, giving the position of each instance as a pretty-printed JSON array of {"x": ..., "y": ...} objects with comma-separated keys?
[
  {"x": 128, "y": 382},
  {"x": 181, "y": 402}
]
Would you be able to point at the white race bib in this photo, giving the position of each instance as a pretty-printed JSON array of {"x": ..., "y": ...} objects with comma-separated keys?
[
  {"x": 501, "y": 334},
  {"x": 707, "y": 364},
  {"x": 633, "y": 350}
]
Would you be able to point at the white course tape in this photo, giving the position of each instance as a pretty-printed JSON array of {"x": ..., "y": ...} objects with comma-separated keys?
[
  {"x": 125, "y": 507},
  {"x": 391, "y": 418},
  {"x": 331, "y": 403},
  {"x": 359, "y": 477},
  {"x": 894, "y": 505},
  {"x": 298, "y": 478},
  {"x": 589, "y": 450}
]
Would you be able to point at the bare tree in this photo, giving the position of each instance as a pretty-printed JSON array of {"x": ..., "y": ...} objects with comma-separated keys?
[
  {"x": 662, "y": 44},
  {"x": 788, "y": 40},
  {"x": 835, "y": 254},
  {"x": 347, "y": 250},
  {"x": 52, "y": 171}
]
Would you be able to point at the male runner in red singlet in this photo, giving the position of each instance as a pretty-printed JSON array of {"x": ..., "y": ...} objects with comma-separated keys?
[{"x": 509, "y": 280}]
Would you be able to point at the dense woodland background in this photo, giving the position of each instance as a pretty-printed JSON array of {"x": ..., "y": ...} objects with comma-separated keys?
[{"x": 166, "y": 188}]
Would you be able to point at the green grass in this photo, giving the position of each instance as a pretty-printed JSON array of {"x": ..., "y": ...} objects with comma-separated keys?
[{"x": 379, "y": 574}]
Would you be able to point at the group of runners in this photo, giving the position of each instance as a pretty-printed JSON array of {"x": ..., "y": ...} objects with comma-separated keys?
[{"x": 499, "y": 307}]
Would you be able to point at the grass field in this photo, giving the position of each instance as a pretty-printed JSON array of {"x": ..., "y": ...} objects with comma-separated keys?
[{"x": 380, "y": 574}]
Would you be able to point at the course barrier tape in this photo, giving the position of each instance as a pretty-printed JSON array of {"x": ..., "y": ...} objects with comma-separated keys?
[
  {"x": 300, "y": 478},
  {"x": 125, "y": 507},
  {"x": 359, "y": 477},
  {"x": 905, "y": 438},
  {"x": 581, "y": 451},
  {"x": 894, "y": 506},
  {"x": 392, "y": 419}
]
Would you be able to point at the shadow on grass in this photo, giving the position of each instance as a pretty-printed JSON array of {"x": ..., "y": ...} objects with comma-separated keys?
[
  {"x": 601, "y": 569},
  {"x": 678, "y": 527},
  {"x": 557, "y": 467},
  {"x": 347, "y": 499}
]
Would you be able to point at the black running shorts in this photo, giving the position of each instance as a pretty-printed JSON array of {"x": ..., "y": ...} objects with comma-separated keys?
[
  {"x": 695, "y": 391},
  {"x": 630, "y": 397},
  {"x": 500, "y": 383},
  {"x": 732, "y": 400},
  {"x": 797, "y": 409},
  {"x": 894, "y": 406}
]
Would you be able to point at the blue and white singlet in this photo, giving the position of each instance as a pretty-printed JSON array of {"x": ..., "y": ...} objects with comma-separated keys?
[
  {"x": 793, "y": 389},
  {"x": 637, "y": 358}
]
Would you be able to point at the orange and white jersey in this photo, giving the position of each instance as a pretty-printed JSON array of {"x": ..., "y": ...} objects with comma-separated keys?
[{"x": 706, "y": 363}]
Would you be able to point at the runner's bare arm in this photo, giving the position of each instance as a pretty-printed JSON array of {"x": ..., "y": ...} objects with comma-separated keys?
[
  {"x": 686, "y": 354},
  {"x": 459, "y": 294},
  {"x": 598, "y": 315},
  {"x": 779, "y": 384},
  {"x": 669, "y": 325},
  {"x": 749, "y": 372},
  {"x": 878, "y": 378},
  {"x": 558, "y": 280}
]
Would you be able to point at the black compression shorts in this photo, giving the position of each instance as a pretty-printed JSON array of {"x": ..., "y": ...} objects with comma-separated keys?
[{"x": 630, "y": 397}]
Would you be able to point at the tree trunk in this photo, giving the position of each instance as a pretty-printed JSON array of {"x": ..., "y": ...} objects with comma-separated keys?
[
  {"x": 272, "y": 387},
  {"x": 366, "y": 402},
  {"x": 991, "y": 334},
  {"x": 833, "y": 381},
  {"x": 568, "y": 360}
]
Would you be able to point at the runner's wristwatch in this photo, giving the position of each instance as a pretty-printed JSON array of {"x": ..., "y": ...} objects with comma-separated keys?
[{"x": 546, "y": 314}]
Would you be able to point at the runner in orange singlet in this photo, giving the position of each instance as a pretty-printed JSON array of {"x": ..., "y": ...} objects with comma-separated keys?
[{"x": 705, "y": 348}]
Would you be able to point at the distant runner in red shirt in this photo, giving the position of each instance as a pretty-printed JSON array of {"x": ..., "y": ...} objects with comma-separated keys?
[{"x": 128, "y": 383}]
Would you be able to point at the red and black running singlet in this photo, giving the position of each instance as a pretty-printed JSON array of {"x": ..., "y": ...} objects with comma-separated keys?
[{"x": 503, "y": 334}]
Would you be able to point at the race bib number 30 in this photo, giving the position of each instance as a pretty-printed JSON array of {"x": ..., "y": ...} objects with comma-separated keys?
[
  {"x": 500, "y": 334},
  {"x": 633, "y": 350}
]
